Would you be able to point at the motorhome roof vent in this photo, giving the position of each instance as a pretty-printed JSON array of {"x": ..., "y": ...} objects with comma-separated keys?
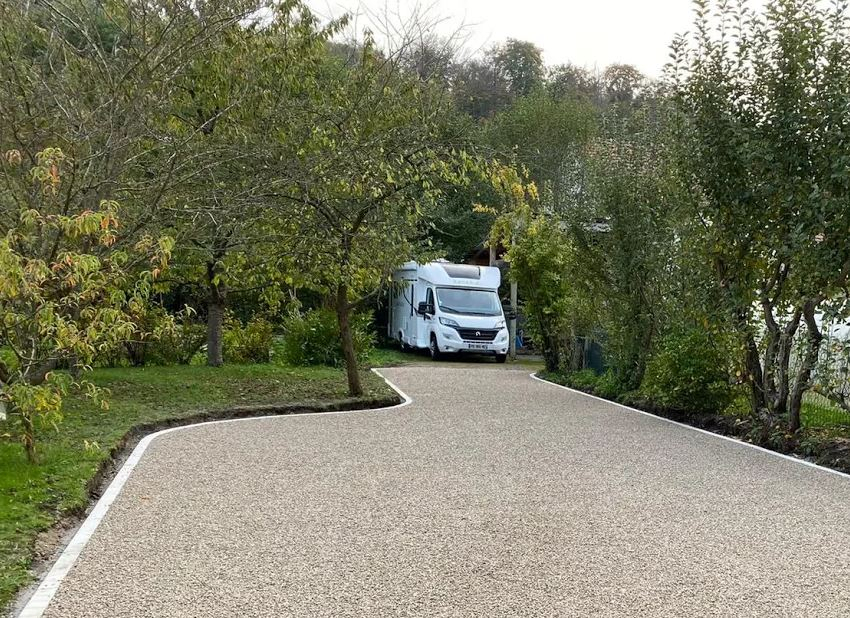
[{"x": 462, "y": 271}]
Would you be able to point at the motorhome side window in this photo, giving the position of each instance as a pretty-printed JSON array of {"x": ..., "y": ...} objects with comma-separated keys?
[{"x": 429, "y": 298}]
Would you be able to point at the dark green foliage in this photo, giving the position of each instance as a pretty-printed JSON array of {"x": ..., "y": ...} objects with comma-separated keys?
[
  {"x": 248, "y": 343},
  {"x": 635, "y": 190},
  {"x": 455, "y": 229},
  {"x": 178, "y": 346},
  {"x": 568, "y": 81},
  {"x": 689, "y": 372},
  {"x": 479, "y": 89},
  {"x": 313, "y": 339},
  {"x": 521, "y": 64},
  {"x": 584, "y": 380},
  {"x": 605, "y": 385}
]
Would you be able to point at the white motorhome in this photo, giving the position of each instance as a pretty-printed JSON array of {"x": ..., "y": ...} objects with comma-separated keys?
[{"x": 448, "y": 308}]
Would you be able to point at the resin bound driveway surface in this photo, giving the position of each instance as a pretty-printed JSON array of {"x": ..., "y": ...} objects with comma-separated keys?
[{"x": 491, "y": 495}]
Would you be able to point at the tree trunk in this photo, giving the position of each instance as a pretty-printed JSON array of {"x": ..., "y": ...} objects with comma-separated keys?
[
  {"x": 752, "y": 359},
  {"x": 551, "y": 344},
  {"x": 215, "y": 327},
  {"x": 804, "y": 375},
  {"x": 29, "y": 438},
  {"x": 754, "y": 375},
  {"x": 216, "y": 304},
  {"x": 343, "y": 311},
  {"x": 576, "y": 351},
  {"x": 777, "y": 358}
]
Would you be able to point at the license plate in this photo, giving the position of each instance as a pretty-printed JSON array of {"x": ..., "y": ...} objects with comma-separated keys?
[{"x": 479, "y": 346}]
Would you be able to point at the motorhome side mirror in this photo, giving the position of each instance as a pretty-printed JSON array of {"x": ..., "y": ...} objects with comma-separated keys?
[
  {"x": 510, "y": 312},
  {"x": 425, "y": 309}
]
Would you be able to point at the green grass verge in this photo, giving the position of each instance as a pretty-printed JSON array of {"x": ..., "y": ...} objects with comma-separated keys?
[
  {"x": 393, "y": 357},
  {"x": 34, "y": 497}
]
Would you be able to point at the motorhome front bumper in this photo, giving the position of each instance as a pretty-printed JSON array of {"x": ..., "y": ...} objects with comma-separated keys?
[{"x": 457, "y": 339}]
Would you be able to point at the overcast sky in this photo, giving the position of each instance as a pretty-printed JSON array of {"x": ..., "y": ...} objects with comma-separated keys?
[{"x": 590, "y": 33}]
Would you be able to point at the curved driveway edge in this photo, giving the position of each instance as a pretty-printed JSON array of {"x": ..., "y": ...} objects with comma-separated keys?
[
  {"x": 490, "y": 495},
  {"x": 804, "y": 462},
  {"x": 36, "y": 605}
]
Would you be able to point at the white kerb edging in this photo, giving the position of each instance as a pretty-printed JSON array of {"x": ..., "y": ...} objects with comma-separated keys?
[
  {"x": 703, "y": 431},
  {"x": 38, "y": 602}
]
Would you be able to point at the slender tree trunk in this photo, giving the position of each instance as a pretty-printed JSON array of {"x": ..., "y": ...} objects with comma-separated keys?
[
  {"x": 754, "y": 375},
  {"x": 343, "y": 313},
  {"x": 551, "y": 344},
  {"x": 576, "y": 351},
  {"x": 804, "y": 375},
  {"x": 216, "y": 304},
  {"x": 777, "y": 359},
  {"x": 752, "y": 358},
  {"x": 771, "y": 342},
  {"x": 29, "y": 438}
]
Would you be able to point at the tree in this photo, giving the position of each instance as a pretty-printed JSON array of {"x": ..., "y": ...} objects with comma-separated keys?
[
  {"x": 570, "y": 81},
  {"x": 479, "y": 89},
  {"x": 832, "y": 373},
  {"x": 455, "y": 230},
  {"x": 133, "y": 94},
  {"x": 764, "y": 128},
  {"x": 559, "y": 308},
  {"x": 545, "y": 135},
  {"x": 521, "y": 63},
  {"x": 621, "y": 83},
  {"x": 259, "y": 81},
  {"x": 67, "y": 291},
  {"x": 98, "y": 79},
  {"x": 378, "y": 156},
  {"x": 626, "y": 229},
  {"x": 429, "y": 57}
]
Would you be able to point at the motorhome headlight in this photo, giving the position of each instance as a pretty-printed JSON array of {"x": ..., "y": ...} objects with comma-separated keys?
[
  {"x": 448, "y": 322},
  {"x": 500, "y": 324}
]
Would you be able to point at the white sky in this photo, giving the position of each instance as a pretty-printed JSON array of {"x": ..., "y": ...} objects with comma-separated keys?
[{"x": 589, "y": 33}]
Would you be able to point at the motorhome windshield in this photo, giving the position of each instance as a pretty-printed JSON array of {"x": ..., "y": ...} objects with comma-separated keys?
[{"x": 468, "y": 302}]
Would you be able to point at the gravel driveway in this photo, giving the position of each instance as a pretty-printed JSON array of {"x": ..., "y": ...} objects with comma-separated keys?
[{"x": 491, "y": 495}]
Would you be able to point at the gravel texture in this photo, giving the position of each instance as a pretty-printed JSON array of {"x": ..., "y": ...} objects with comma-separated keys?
[{"x": 491, "y": 495}]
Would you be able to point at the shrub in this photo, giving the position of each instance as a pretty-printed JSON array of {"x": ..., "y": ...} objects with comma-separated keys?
[
  {"x": 313, "y": 338},
  {"x": 609, "y": 386},
  {"x": 159, "y": 338},
  {"x": 173, "y": 340},
  {"x": 179, "y": 344},
  {"x": 605, "y": 385},
  {"x": 688, "y": 373},
  {"x": 584, "y": 380},
  {"x": 248, "y": 343}
]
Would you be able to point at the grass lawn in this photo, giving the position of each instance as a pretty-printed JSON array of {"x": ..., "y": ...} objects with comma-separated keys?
[{"x": 33, "y": 498}]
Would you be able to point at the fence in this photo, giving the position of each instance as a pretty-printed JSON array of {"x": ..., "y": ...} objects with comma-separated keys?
[{"x": 818, "y": 411}]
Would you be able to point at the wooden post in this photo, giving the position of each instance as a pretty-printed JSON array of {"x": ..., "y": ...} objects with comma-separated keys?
[{"x": 512, "y": 322}]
